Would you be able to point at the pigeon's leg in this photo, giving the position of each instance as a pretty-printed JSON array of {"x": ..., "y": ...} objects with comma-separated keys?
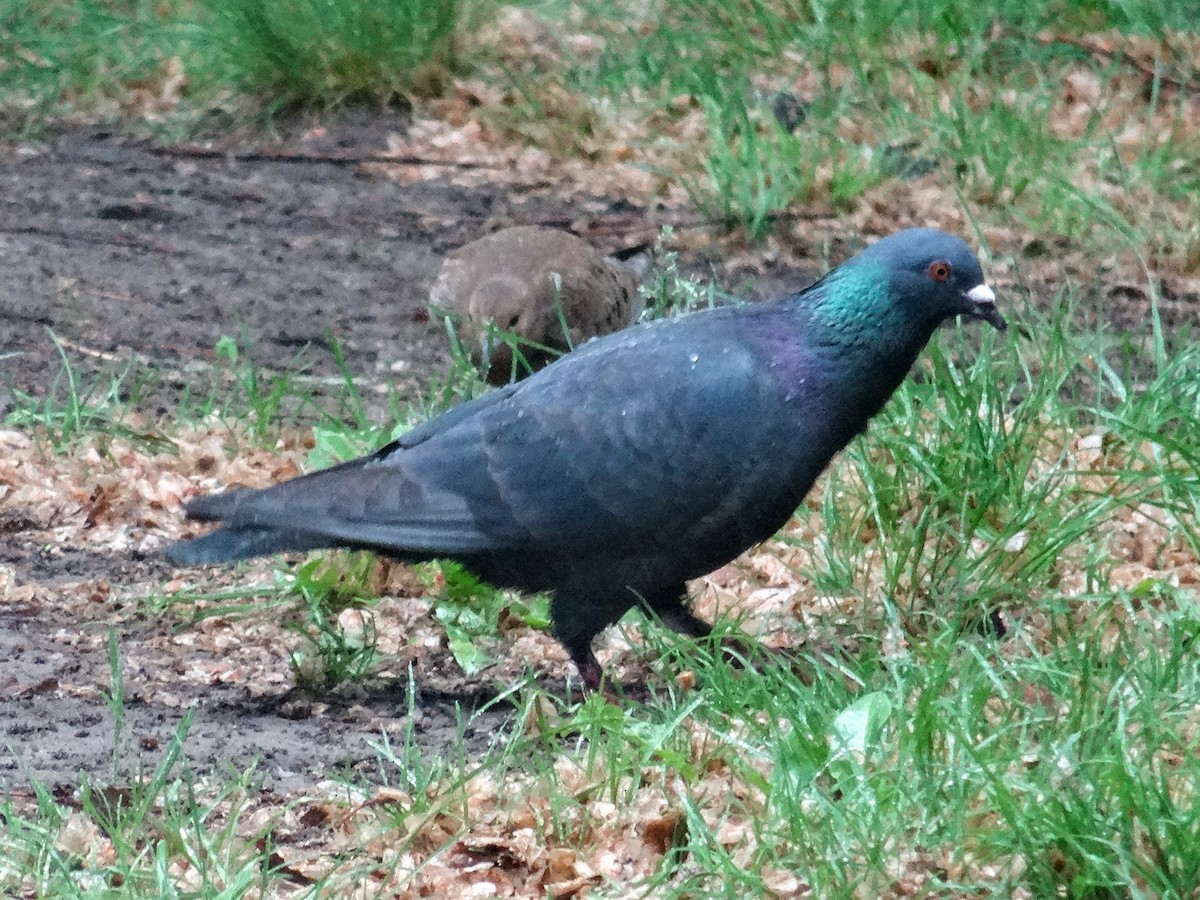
[
  {"x": 585, "y": 661},
  {"x": 671, "y": 608},
  {"x": 679, "y": 618},
  {"x": 579, "y": 615}
]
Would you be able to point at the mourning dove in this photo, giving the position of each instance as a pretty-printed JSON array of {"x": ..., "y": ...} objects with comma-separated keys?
[{"x": 531, "y": 281}]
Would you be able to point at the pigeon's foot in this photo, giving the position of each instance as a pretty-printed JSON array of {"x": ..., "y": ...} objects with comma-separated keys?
[
  {"x": 679, "y": 619},
  {"x": 736, "y": 651},
  {"x": 595, "y": 681},
  {"x": 637, "y": 691},
  {"x": 590, "y": 672}
]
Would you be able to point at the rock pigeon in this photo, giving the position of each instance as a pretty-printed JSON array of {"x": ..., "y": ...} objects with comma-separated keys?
[
  {"x": 642, "y": 460},
  {"x": 549, "y": 288}
]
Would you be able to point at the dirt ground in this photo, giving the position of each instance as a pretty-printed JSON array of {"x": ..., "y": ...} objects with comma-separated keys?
[{"x": 130, "y": 251}]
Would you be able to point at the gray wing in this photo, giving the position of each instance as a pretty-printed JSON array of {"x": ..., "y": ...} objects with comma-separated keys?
[{"x": 653, "y": 435}]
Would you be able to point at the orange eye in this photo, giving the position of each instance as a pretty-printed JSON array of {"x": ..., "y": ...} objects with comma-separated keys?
[{"x": 940, "y": 270}]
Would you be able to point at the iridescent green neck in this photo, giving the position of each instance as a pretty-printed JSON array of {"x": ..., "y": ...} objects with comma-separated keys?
[
  {"x": 852, "y": 298},
  {"x": 853, "y": 309}
]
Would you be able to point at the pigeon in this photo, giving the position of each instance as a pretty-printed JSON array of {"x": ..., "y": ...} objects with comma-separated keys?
[
  {"x": 641, "y": 460},
  {"x": 548, "y": 288}
]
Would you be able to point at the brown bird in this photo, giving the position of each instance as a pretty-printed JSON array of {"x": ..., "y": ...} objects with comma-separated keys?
[{"x": 549, "y": 289}]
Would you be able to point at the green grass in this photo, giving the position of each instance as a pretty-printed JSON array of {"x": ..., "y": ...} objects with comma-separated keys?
[
  {"x": 321, "y": 52},
  {"x": 1044, "y": 479},
  {"x": 169, "y": 64},
  {"x": 139, "y": 836},
  {"x": 904, "y": 745},
  {"x": 83, "y": 401},
  {"x": 876, "y": 76},
  {"x": 152, "y": 833},
  {"x": 756, "y": 170},
  {"x": 76, "y": 406},
  {"x": 86, "y": 58},
  {"x": 881, "y": 75}
]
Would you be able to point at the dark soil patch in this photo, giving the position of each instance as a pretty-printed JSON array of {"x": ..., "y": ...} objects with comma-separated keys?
[
  {"x": 55, "y": 676},
  {"x": 130, "y": 253}
]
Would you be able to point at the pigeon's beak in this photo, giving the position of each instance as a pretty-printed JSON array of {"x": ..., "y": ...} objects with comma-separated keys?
[{"x": 983, "y": 306}]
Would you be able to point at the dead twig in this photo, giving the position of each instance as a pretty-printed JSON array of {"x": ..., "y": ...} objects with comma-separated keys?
[{"x": 195, "y": 151}]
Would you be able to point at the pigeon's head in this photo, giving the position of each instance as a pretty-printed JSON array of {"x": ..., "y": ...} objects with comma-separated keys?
[{"x": 932, "y": 277}]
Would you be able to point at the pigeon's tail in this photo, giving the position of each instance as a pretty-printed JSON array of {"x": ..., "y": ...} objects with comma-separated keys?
[
  {"x": 239, "y": 540},
  {"x": 358, "y": 505},
  {"x": 242, "y": 542}
]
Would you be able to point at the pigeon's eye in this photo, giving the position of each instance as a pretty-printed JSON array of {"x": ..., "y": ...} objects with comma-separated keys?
[{"x": 940, "y": 271}]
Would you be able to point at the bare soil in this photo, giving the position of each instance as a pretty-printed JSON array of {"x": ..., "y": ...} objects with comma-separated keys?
[{"x": 125, "y": 249}]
